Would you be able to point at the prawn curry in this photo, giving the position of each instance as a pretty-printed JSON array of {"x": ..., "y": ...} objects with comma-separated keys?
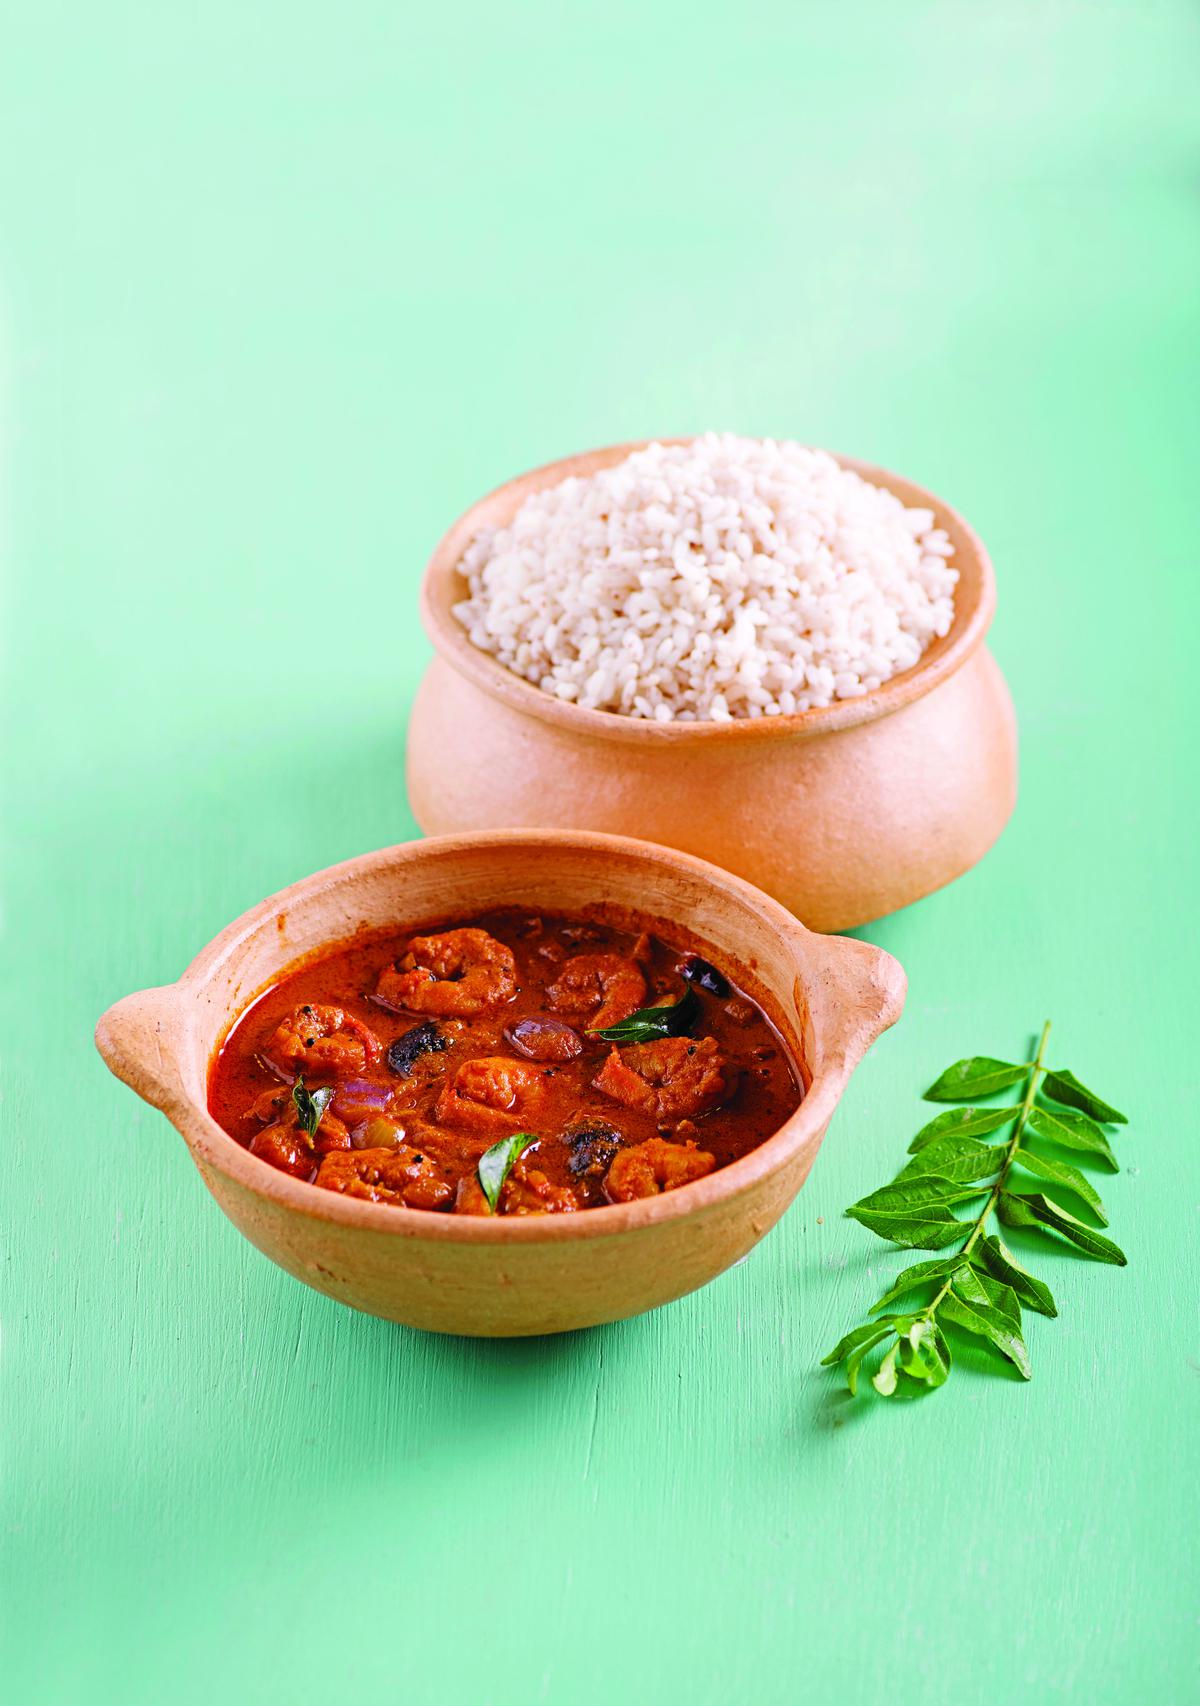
[{"x": 519, "y": 1064}]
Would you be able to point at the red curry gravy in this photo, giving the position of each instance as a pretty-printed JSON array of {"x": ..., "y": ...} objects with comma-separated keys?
[{"x": 438, "y": 1044}]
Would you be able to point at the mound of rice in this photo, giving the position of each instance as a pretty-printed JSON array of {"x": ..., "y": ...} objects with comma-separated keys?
[{"x": 732, "y": 577}]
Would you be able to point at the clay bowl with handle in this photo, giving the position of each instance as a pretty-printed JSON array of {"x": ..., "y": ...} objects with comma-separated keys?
[
  {"x": 843, "y": 813},
  {"x": 829, "y": 999}
]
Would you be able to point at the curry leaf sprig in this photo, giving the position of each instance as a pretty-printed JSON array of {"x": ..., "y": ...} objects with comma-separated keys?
[{"x": 965, "y": 1154}]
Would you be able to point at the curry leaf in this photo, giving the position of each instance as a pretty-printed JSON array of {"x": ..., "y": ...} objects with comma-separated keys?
[
  {"x": 1002, "y": 1298},
  {"x": 928, "y": 1229},
  {"x": 864, "y": 1335},
  {"x": 1039, "y": 1210},
  {"x": 981, "y": 1286},
  {"x": 988, "y": 1325},
  {"x": 648, "y": 1024},
  {"x": 982, "y": 1291},
  {"x": 969, "y": 1285},
  {"x": 978, "y": 1075},
  {"x": 496, "y": 1163},
  {"x": 854, "y": 1360},
  {"x": 921, "y": 1273},
  {"x": 1012, "y": 1211},
  {"x": 907, "y": 1195},
  {"x": 1062, "y": 1173},
  {"x": 884, "y": 1380},
  {"x": 958, "y": 1158},
  {"x": 310, "y": 1105},
  {"x": 1065, "y": 1087},
  {"x": 1072, "y": 1131},
  {"x": 1000, "y": 1262},
  {"x": 962, "y": 1122},
  {"x": 923, "y": 1355}
]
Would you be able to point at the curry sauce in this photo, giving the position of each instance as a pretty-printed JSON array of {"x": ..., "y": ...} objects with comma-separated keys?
[{"x": 388, "y": 1069}]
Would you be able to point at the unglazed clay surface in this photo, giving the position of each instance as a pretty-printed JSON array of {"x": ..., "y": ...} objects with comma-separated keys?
[
  {"x": 842, "y": 814},
  {"x": 829, "y": 998}
]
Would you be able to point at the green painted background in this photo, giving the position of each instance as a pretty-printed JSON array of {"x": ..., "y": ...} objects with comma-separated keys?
[{"x": 284, "y": 288}]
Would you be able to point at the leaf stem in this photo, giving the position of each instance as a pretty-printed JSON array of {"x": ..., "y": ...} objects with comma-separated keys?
[{"x": 1010, "y": 1153}]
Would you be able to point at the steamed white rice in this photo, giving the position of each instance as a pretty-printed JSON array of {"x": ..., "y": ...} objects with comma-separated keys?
[{"x": 732, "y": 577}]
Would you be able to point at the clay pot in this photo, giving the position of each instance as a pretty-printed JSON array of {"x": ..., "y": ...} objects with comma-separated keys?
[
  {"x": 843, "y": 814},
  {"x": 829, "y": 998}
]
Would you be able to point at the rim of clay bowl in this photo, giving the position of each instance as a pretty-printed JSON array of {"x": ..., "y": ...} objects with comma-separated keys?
[
  {"x": 442, "y": 587},
  {"x": 152, "y": 1025}
]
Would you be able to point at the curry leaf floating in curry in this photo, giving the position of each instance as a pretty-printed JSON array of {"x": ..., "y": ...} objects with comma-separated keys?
[
  {"x": 310, "y": 1105},
  {"x": 981, "y": 1287},
  {"x": 648, "y": 1024},
  {"x": 496, "y": 1163}
]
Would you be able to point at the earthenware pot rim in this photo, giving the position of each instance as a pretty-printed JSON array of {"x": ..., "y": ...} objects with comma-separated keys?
[
  {"x": 442, "y": 588},
  {"x": 164, "y": 1013}
]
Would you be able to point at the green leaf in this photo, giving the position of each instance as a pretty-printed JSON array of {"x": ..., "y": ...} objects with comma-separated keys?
[
  {"x": 1072, "y": 1131},
  {"x": 863, "y": 1335},
  {"x": 854, "y": 1360},
  {"x": 981, "y": 1291},
  {"x": 943, "y": 1345},
  {"x": 496, "y": 1163},
  {"x": 978, "y": 1075},
  {"x": 1011, "y": 1209},
  {"x": 921, "y": 1356},
  {"x": 884, "y": 1380},
  {"x": 310, "y": 1105},
  {"x": 1003, "y": 1265},
  {"x": 650, "y": 1023},
  {"x": 915, "y": 1212},
  {"x": 905, "y": 1195},
  {"x": 957, "y": 1158},
  {"x": 962, "y": 1122},
  {"x": 926, "y": 1229},
  {"x": 1003, "y": 1299},
  {"x": 1065, "y": 1087},
  {"x": 988, "y": 1325},
  {"x": 921, "y": 1273},
  {"x": 1040, "y": 1211},
  {"x": 969, "y": 1285},
  {"x": 1062, "y": 1173}
]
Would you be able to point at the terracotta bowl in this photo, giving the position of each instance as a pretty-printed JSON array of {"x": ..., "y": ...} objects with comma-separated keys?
[
  {"x": 842, "y": 814},
  {"x": 543, "y": 1274}
]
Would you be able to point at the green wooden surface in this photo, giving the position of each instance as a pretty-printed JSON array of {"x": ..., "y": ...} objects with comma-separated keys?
[{"x": 284, "y": 289}]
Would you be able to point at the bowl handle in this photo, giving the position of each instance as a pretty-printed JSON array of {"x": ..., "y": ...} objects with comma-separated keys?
[
  {"x": 136, "y": 1038},
  {"x": 858, "y": 993}
]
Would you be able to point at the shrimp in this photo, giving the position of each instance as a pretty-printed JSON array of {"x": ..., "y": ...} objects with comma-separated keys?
[
  {"x": 322, "y": 1041},
  {"x": 655, "y": 1166},
  {"x": 404, "y": 1177},
  {"x": 464, "y": 972},
  {"x": 284, "y": 1143},
  {"x": 672, "y": 1079},
  {"x": 614, "y": 986},
  {"x": 527, "y": 1190},
  {"x": 492, "y": 1096}
]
